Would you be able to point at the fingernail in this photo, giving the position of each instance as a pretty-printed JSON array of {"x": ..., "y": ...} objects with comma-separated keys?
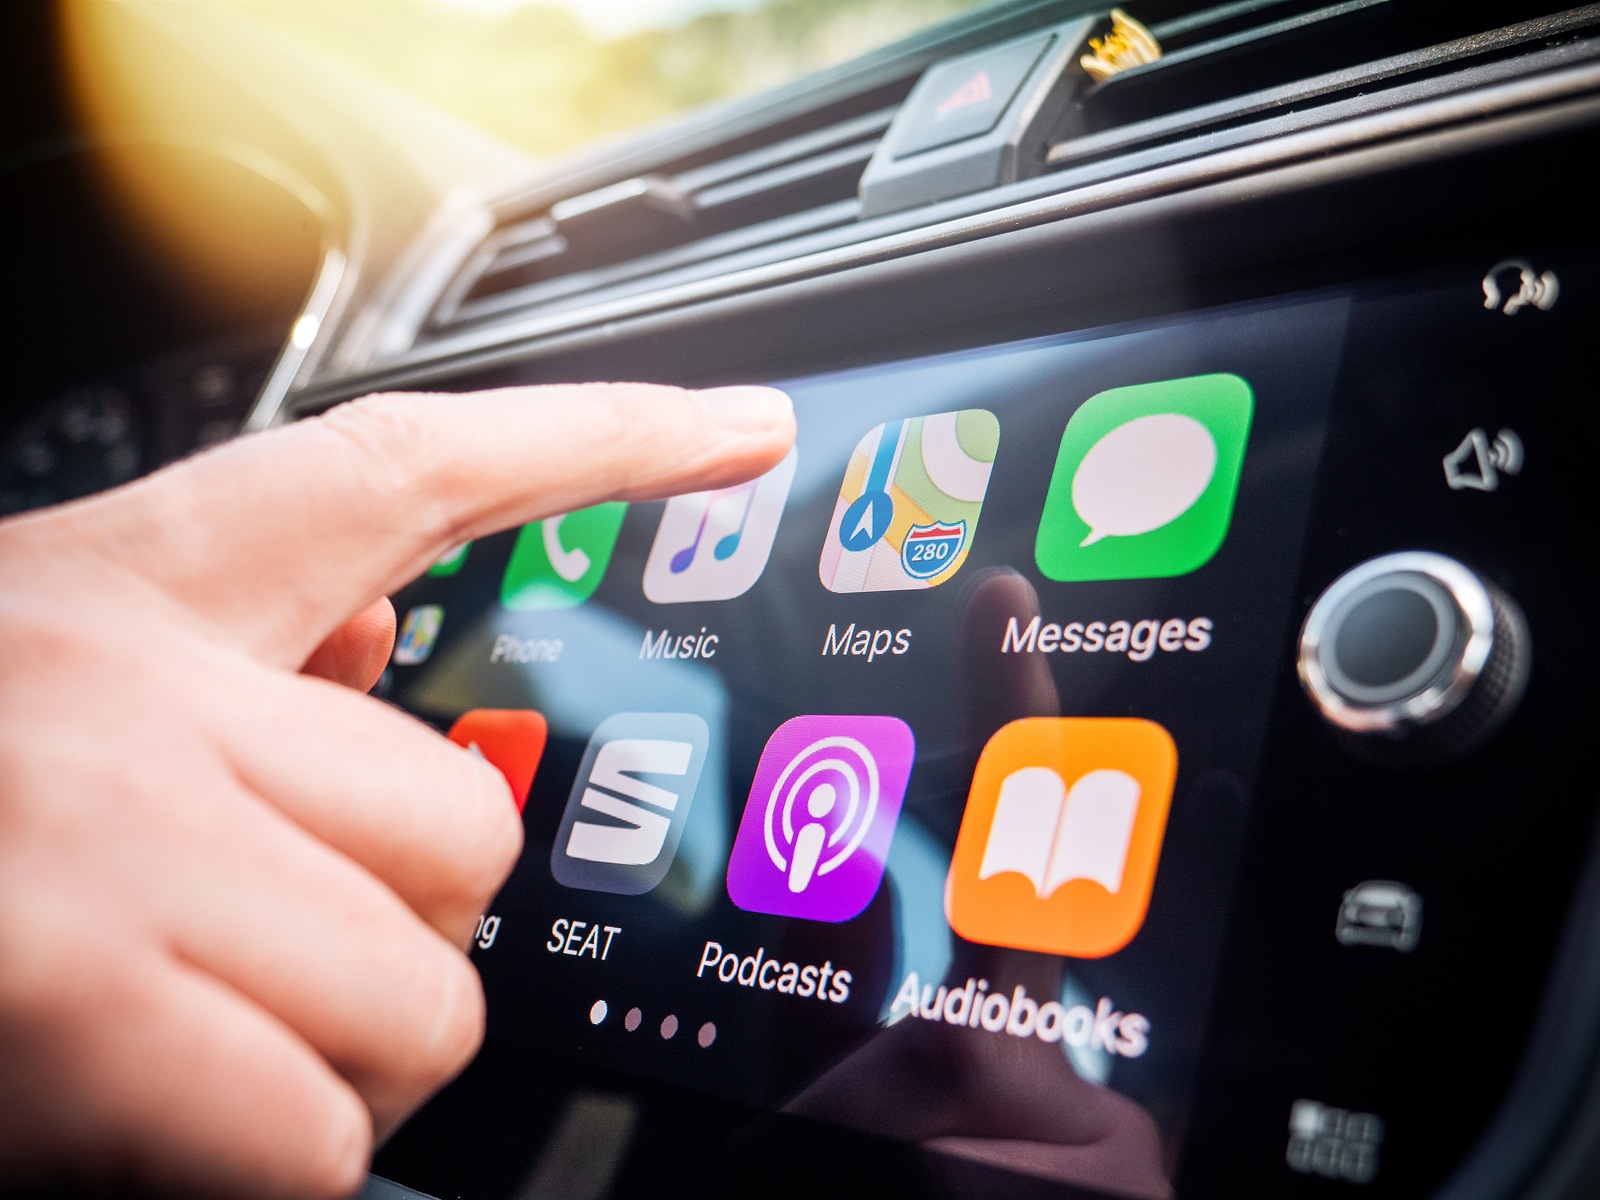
[{"x": 746, "y": 409}]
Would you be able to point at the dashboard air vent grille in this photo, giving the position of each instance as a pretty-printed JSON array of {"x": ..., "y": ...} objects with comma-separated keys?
[
  {"x": 648, "y": 224},
  {"x": 1238, "y": 62}
]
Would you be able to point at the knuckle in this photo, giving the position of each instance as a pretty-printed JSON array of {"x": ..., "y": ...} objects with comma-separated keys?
[
  {"x": 337, "y": 1165},
  {"x": 386, "y": 443},
  {"x": 457, "y": 1028},
  {"x": 490, "y": 832},
  {"x": 53, "y": 643},
  {"x": 39, "y": 946},
  {"x": 627, "y": 417},
  {"x": 612, "y": 411}
]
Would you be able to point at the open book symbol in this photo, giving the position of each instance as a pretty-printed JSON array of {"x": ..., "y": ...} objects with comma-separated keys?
[{"x": 1052, "y": 836}]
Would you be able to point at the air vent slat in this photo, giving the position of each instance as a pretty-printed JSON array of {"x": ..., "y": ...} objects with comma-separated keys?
[
  {"x": 1215, "y": 82},
  {"x": 1215, "y": 48},
  {"x": 864, "y": 128},
  {"x": 543, "y": 243},
  {"x": 1247, "y": 60},
  {"x": 552, "y": 292},
  {"x": 1216, "y": 21},
  {"x": 846, "y": 158},
  {"x": 1235, "y": 74},
  {"x": 662, "y": 222}
]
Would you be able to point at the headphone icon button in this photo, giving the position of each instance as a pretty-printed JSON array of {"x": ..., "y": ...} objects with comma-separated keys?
[{"x": 1525, "y": 287}]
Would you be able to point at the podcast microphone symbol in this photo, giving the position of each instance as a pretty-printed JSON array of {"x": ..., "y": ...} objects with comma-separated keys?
[
  {"x": 822, "y": 811},
  {"x": 823, "y": 800},
  {"x": 818, "y": 772}
]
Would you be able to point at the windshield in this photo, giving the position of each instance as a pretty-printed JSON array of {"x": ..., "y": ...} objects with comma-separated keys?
[{"x": 552, "y": 75}]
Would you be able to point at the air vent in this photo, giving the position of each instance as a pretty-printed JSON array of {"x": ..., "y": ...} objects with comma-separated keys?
[
  {"x": 1241, "y": 61},
  {"x": 650, "y": 224},
  {"x": 790, "y": 188}
]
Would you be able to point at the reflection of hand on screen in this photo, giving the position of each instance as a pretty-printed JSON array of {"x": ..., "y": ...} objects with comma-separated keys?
[{"x": 1009, "y": 1102}]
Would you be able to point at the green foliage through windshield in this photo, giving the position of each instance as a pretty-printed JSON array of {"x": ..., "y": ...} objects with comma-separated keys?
[{"x": 551, "y": 76}]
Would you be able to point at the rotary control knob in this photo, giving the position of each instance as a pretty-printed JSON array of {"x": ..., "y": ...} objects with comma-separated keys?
[{"x": 1415, "y": 657}]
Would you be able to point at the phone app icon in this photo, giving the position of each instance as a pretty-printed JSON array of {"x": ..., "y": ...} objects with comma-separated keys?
[
  {"x": 629, "y": 803},
  {"x": 512, "y": 739},
  {"x": 450, "y": 562},
  {"x": 909, "y": 506},
  {"x": 419, "y": 630},
  {"x": 559, "y": 561},
  {"x": 714, "y": 545},
  {"x": 1145, "y": 480},
  {"x": 821, "y": 814},
  {"x": 1058, "y": 846}
]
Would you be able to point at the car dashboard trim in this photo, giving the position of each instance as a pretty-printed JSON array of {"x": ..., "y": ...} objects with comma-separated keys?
[{"x": 1557, "y": 88}]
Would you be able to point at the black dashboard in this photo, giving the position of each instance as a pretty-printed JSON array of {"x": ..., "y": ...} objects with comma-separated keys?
[
  {"x": 167, "y": 351},
  {"x": 1308, "y": 995},
  {"x": 1132, "y": 746}
]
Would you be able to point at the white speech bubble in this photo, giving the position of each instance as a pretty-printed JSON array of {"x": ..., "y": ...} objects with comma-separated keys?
[{"x": 1142, "y": 475}]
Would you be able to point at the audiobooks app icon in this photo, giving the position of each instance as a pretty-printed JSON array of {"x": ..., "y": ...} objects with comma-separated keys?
[{"x": 1058, "y": 847}]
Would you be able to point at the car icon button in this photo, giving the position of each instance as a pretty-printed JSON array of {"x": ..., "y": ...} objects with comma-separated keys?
[{"x": 1380, "y": 913}]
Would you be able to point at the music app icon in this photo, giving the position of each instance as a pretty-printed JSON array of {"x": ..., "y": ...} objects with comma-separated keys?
[{"x": 714, "y": 545}]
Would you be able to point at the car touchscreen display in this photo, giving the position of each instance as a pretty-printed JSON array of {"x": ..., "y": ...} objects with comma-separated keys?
[{"x": 902, "y": 787}]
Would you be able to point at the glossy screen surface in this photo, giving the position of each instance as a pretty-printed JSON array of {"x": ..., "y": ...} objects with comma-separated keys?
[{"x": 992, "y": 652}]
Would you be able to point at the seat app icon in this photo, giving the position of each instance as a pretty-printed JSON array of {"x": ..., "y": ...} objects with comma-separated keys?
[
  {"x": 714, "y": 545},
  {"x": 909, "y": 506},
  {"x": 822, "y": 811},
  {"x": 629, "y": 803},
  {"x": 1058, "y": 846},
  {"x": 559, "y": 561},
  {"x": 511, "y": 739},
  {"x": 1145, "y": 480}
]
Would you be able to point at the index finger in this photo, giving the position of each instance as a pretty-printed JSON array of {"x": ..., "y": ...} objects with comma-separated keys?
[{"x": 279, "y": 537}]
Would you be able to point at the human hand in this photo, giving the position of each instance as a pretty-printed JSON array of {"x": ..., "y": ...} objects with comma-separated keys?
[{"x": 235, "y": 891}]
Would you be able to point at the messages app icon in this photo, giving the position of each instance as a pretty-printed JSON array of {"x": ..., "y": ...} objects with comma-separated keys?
[
  {"x": 910, "y": 501},
  {"x": 1058, "y": 846},
  {"x": 1145, "y": 480},
  {"x": 558, "y": 562}
]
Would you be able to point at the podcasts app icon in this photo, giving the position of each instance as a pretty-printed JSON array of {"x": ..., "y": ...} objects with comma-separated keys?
[{"x": 821, "y": 815}]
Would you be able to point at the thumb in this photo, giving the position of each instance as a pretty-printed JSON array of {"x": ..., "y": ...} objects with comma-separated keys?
[
  {"x": 279, "y": 537},
  {"x": 356, "y": 653}
]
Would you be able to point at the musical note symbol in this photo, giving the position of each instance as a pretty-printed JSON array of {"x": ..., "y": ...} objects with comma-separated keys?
[{"x": 725, "y": 546}]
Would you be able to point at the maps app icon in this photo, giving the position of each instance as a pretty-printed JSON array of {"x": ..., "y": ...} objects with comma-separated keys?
[{"x": 909, "y": 505}]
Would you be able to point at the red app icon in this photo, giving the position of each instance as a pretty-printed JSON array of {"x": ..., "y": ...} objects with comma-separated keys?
[{"x": 510, "y": 738}]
